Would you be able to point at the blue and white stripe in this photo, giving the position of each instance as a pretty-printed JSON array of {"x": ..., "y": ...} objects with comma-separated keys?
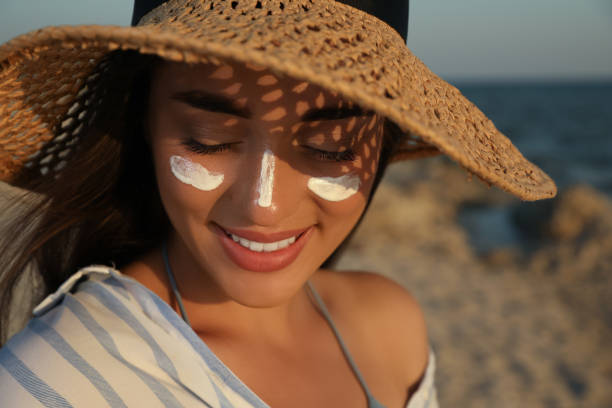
[{"x": 114, "y": 343}]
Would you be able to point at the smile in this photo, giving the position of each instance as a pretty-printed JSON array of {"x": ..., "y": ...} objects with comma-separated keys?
[
  {"x": 262, "y": 252},
  {"x": 261, "y": 246}
]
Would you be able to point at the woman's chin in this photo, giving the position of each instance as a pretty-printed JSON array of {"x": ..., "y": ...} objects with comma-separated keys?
[
  {"x": 259, "y": 279},
  {"x": 263, "y": 292}
]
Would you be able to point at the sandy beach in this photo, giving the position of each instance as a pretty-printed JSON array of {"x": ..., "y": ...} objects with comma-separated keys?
[
  {"x": 521, "y": 325},
  {"x": 527, "y": 325}
]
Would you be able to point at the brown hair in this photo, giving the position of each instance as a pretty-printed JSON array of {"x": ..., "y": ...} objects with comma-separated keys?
[
  {"x": 102, "y": 208},
  {"x": 99, "y": 209}
]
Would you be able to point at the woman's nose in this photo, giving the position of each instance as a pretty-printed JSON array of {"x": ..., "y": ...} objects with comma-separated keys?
[
  {"x": 265, "y": 185},
  {"x": 271, "y": 190}
]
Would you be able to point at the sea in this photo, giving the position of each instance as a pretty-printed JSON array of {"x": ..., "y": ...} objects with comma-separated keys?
[{"x": 564, "y": 128}]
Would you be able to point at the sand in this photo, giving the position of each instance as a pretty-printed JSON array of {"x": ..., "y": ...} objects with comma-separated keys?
[{"x": 523, "y": 325}]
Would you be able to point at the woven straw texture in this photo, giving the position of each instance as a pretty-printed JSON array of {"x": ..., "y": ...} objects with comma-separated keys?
[{"x": 47, "y": 85}]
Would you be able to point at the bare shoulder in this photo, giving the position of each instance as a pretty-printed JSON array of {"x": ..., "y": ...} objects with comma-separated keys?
[{"x": 383, "y": 312}]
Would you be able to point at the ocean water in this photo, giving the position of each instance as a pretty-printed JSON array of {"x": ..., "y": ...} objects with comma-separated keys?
[{"x": 565, "y": 129}]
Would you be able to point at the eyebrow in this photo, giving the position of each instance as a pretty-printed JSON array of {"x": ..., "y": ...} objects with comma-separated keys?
[
  {"x": 211, "y": 102},
  {"x": 332, "y": 113},
  {"x": 217, "y": 103}
]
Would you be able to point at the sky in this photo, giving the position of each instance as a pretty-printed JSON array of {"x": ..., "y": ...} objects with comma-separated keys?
[{"x": 475, "y": 40}]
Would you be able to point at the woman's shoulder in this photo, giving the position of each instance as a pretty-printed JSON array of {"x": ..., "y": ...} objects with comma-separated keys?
[
  {"x": 383, "y": 313},
  {"x": 368, "y": 294}
]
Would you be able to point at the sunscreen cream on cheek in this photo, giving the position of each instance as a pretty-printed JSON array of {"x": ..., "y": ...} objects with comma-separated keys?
[
  {"x": 194, "y": 174},
  {"x": 335, "y": 188}
]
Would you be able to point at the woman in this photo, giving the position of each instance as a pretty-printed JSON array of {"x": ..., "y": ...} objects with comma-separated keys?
[{"x": 218, "y": 159}]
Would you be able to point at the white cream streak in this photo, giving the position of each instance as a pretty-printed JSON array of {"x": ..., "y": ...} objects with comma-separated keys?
[
  {"x": 266, "y": 179},
  {"x": 335, "y": 188},
  {"x": 194, "y": 174}
]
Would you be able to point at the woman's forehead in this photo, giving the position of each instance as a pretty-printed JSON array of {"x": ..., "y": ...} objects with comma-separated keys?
[{"x": 247, "y": 85}]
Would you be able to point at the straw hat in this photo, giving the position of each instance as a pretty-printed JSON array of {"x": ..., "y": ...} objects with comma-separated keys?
[{"x": 46, "y": 77}]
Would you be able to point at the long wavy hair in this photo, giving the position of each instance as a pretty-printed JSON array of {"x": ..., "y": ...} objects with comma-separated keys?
[{"x": 104, "y": 207}]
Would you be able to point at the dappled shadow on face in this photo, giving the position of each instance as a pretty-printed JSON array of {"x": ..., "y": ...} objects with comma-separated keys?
[{"x": 305, "y": 113}]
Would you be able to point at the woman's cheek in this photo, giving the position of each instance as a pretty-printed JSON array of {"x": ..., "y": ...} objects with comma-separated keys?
[
  {"x": 194, "y": 174},
  {"x": 339, "y": 196},
  {"x": 190, "y": 184},
  {"x": 349, "y": 190},
  {"x": 335, "y": 189}
]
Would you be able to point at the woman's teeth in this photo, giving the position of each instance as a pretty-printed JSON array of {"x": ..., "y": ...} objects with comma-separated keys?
[{"x": 261, "y": 246}]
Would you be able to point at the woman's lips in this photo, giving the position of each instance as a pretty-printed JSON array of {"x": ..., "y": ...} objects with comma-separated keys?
[
  {"x": 255, "y": 251},
  {"x": 264, "y": 237}
]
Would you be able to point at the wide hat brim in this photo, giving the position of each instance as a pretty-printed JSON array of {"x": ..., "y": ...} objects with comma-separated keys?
[{"x": 324, "y": 42}]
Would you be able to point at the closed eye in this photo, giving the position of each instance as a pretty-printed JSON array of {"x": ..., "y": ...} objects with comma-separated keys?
[
  {"x": 201, "y": 148},
  {"x": 343, "y": 156}
]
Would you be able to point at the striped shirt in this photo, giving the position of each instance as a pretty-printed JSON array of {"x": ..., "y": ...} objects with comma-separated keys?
[{"x": 104, "y": 340}]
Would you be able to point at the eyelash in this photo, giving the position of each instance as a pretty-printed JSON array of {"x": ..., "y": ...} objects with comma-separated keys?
[
  {"x": 199, "y": 148},
  {"x": 344, "y": 156}
]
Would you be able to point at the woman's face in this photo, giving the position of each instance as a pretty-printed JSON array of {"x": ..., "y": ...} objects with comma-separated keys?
[{"x": 262, "y": 177}]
